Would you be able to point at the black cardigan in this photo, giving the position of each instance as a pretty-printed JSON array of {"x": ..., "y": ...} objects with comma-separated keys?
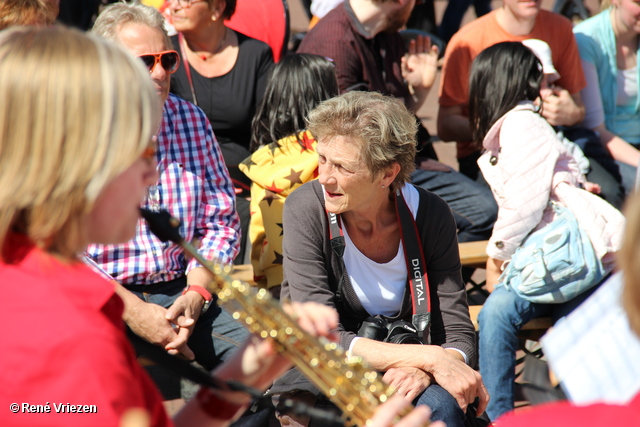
[{"x": 312, "y": 270}]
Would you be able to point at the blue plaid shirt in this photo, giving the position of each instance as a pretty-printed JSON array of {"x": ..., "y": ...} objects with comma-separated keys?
[{"x": 194, "y": 186}]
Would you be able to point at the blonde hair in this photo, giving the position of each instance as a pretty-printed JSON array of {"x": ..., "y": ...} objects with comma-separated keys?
[
  {"x": 76, "y": 112},
  {"x": 383, "y": 124},
  {"x": 629, "y": 262},
  {"x": 27, "y": 12}
]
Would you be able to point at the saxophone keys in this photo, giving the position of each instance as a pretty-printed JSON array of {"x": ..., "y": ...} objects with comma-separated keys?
[
  {"x": 370, "y": 376},
  {"x": 239, "y": 286},
  {"x": 354, "y": 360}
]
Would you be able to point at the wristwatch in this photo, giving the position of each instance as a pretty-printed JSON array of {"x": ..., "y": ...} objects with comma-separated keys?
[{"x": 202, "y": 291}]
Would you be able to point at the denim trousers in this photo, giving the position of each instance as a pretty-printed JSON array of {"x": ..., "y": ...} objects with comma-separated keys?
[
  {"x": 500, "y": 319},
  {"x": 216, "y": 335},
  {"x": 443, "y": 406},
  {"x": 472, "y": 204}
]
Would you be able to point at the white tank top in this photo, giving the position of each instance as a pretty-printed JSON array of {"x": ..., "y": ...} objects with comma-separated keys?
[{"x": 380, "y": 286}]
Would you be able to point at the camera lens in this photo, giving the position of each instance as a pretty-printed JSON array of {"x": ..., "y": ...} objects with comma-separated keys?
[
  {"x": 402, "y": 332},
  {"x": 373, "y": 328}
]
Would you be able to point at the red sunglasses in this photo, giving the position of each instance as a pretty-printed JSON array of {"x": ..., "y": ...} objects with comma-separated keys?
[{"x": 169, "y": 59}]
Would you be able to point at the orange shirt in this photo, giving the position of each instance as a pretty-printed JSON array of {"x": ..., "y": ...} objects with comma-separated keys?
[{"x": 476, "y": 36}]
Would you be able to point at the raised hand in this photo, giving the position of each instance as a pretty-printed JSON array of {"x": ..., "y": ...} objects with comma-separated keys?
[{"x": 420, "y": 63}]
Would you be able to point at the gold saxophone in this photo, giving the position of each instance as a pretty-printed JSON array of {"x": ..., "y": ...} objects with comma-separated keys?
[{"x": 348, "y": 382}]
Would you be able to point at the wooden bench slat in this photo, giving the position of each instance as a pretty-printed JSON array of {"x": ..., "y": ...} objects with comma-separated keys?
[{"x": 473, "y": 254}]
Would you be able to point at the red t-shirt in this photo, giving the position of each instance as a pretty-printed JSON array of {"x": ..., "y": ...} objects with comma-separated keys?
[
  {"x": 65, "y": 347},
  {"x": 564, "y": 414}
]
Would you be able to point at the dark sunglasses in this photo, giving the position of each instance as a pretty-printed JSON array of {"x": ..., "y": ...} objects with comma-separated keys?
[{"x": 169, "y": 59}]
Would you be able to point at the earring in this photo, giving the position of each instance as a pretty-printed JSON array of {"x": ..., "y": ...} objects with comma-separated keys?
[{"x": 383, "y": 186}]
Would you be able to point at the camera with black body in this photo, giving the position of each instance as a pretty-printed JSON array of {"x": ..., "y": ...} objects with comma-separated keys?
[{"x": 396, "y": 332}]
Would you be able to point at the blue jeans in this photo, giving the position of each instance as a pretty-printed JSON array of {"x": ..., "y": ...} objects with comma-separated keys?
[
  {"x": 443, "y": 406},
  {"x": 473, "y": 206},
  {"x": 500, "y": 319},
  {"x": 216, "y": 335}
]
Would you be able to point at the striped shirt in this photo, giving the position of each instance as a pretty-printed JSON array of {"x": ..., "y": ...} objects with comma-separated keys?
[{"x": 194, "y": 186}]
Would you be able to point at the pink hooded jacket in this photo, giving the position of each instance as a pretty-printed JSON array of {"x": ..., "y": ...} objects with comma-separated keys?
[{"x": 527, "y": 166}]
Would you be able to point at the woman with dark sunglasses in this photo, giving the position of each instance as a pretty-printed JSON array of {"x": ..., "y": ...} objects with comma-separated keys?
[{"x": 224, "y": 73}]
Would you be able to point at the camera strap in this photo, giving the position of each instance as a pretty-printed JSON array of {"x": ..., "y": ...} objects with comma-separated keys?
[
  {"x": 416, "y": 266},
  {"x": 413, "y": 254}
]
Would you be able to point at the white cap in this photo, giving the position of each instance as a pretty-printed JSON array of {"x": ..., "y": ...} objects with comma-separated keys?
[{"x": 543, "y": 52}]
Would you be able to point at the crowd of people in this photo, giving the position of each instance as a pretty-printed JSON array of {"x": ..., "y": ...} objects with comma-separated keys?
[{"x": 321, "y": 161}]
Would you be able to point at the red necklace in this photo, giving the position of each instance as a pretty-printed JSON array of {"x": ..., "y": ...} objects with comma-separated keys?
[{"x": 218, "y": 49}]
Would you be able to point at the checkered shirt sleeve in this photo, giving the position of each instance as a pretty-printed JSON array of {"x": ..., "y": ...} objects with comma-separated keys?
[{"x": 194, "y": 186}]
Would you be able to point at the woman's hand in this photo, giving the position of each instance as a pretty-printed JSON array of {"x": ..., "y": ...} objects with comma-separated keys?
[
  {"x": 388, "y": 411},
  {"x": 462, "y": 382},
  {"x": 408, "y": 382}
]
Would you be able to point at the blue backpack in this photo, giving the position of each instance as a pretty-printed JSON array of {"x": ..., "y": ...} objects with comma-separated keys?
[{"x": 554, "y": 264}]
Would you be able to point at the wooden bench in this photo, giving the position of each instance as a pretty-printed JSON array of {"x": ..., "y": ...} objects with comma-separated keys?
[{"x": 474, "y": 255}]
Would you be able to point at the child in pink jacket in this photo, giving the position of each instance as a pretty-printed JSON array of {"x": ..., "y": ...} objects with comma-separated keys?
[{"x": 527, "y": 166}]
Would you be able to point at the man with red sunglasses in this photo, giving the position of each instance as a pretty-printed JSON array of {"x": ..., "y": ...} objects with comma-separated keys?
[{"x": 166, "y": 301}]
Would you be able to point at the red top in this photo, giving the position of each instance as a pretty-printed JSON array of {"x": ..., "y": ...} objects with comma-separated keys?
[
  {"x": 564, "y": 414},
  {"x": 65, "y": 345}
]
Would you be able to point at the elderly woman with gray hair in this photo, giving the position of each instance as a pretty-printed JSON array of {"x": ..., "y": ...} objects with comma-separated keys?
[{"x": 362, "y": 240}]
